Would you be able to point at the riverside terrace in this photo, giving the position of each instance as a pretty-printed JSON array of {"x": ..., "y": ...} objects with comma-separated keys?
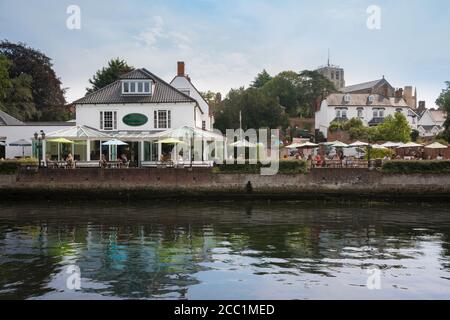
[{"x": 87, "y": 148}]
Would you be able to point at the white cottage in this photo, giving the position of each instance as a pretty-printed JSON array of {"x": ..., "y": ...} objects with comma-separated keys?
[
  {"x": 133, "y": 109},
  {"x": 431, "y": 123},
  {"x": 370, "y": 108}
]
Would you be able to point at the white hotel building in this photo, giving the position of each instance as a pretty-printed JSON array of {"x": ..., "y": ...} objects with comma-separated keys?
[{"x": 133, "y": 109}]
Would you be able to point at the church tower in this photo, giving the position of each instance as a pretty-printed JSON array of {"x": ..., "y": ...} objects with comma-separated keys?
[{"x": 333, "y": 73}]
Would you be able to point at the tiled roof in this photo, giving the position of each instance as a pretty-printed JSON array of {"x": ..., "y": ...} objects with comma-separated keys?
[
  {"x": 361, "y": 86},
  {"x": 7, "y": 120},
  {"x": 362, "y": 99},
  {"x": 112, "y": 94}
]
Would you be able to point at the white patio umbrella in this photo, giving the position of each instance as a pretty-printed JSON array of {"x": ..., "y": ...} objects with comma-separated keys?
[
  {"x": 339, "y": 144},
  {"x": 436, "y": 145},
  {"x": 410, "y": 145},
  {"x": 357, "y": 144},
  {"x": 293, "y": 146},
  {"x": 392, "y": 144},
  {"x": 308, "y": 145},
  {"x": 21, "y": 143},
  {"x": 114, "y": 142},
  {"x": 2, "y": 143},
  {"x": 378, "y": 147}
]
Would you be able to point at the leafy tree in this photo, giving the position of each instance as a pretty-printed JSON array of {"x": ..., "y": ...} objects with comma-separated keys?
[
  {"x": 16, "y": 97},
  {"x": 313, "y": 88},
  {"x": 261, "y": 79},
  {"x": 5, "y": 81},
  {"x": 393, "y": 128},
  {"x": 443, "y": 101},
  {"x": 107, "y": 75},
  {"x": 284, "y": 90},
  {"x": 258, "y": 111},
  {"x": 48, "y": 96}
]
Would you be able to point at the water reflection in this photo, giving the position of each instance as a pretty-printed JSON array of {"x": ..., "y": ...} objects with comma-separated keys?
[{"x": 225, "y": 250}]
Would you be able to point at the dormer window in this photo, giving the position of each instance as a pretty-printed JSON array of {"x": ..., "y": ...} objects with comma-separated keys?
[
  {"x": 136, "y": 87},
  {"x": 347, "y": 98}
]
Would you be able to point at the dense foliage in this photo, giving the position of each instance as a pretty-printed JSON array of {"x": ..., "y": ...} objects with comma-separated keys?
[
  {"x": 399, "y": 166},
  {"x": 444, "y": 104},
  {"x": 258, "y": 111},
  {"x": 393, "y": 128},
  {"x": 12, "y": 166},
  {"x": 285, "y": 167},
  {"x": 270, "y": 101},
  {"x": 30, "y": 89},
  {"x": 109, "y": 74}
]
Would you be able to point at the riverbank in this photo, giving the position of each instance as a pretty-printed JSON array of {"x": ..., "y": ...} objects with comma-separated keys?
[{"x": 203, "y": 183}]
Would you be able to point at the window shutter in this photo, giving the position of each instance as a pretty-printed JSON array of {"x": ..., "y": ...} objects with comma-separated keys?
[
  {"x": 101, "y": 120},
  {"x": 169, "y": 121},
  {"x": 115, "y": 120},
  {"x": 155, "y": 119}
]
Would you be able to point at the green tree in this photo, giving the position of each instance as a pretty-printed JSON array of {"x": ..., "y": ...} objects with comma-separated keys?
[
  {"x": 5, "y": 81},
  {"x": 393, "y": 128},
  {"x": 107, "y": 75},
  {"x": 443, "y": 101},
  {"x": 16, "y": 97},
  {"x": 261, "y": 79},
  {"x": 313, "y": 88},
  {"x": 48, "y": 96},
  {"x": 258, "y": 111},
  {"x": 283, "y": 88}
]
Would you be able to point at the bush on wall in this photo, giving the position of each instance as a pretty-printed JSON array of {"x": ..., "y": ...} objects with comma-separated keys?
[{"x": 399, "y": 166}]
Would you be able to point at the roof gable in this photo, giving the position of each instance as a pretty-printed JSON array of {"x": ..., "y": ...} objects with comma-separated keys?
[
  {"x": 366, "y": 85},
  {"x": 112, "y": 93}
]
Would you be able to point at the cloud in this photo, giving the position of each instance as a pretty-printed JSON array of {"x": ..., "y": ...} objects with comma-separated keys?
[{"x": 160, "y": 35}]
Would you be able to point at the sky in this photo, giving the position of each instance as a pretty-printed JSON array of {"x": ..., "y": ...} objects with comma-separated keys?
[{"x": 225, "y": 43}]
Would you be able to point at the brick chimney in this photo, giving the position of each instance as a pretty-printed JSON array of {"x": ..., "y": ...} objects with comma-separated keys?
[{"x": 181, "y": 72}]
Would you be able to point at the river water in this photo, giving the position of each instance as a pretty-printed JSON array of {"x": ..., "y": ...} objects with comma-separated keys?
[{"x": 229, "y": 250}]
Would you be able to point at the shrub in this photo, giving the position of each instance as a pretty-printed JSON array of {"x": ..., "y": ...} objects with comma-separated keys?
[
  {"x": 285, "y": 167},
  {"x": 402, "y": 166},
  {"x": 11, "y": 166},
  {"x": 379, "y": 153}
]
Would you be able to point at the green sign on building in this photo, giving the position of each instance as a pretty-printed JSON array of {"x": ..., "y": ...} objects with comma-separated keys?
[{"x": 135, "y": 119}]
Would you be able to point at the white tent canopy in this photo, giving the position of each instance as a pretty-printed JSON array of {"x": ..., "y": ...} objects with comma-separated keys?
[
  {"x": 410, "y": 145},
  {"x": 392, "y": 144},
  {"x": 378, "y": 147},
  {"x": 339, "y": 144},
  {"x": 436, "y": 145},
  {"x": 358, "y": 144}
]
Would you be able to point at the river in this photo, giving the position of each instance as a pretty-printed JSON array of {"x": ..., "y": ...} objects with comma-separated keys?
[{"x": 229, "y": 250}]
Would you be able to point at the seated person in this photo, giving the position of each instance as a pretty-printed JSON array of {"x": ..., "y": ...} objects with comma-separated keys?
[
  {"x": 70, "y": 161},
  {"x": 103, "y": 162}
]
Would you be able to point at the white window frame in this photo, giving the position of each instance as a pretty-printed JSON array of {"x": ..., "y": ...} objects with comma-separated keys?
[
  {"x": 360, "y": 112},
  {"x": 157, "y": 122},
  {"x": 347, "y": 98},
  {"x": 113, "y": 120},
  {"x": 137, "y": 87}
]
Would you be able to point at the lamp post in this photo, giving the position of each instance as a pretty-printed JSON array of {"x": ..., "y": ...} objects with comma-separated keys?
[{"x": 39, "y": 137}]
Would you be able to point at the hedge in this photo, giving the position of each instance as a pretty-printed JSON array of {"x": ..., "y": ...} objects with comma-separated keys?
[
  {"x": 12, "y": 166},
  {"x": 421, "y": 166},
  {"x": 285, "y": 167}
]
